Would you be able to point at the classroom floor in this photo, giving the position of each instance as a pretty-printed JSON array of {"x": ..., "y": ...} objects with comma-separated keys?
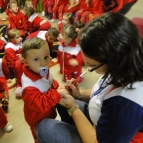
[{"x": 21, "y": 132}]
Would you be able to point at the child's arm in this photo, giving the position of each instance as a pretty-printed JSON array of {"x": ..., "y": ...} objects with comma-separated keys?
[
  {"x": 11, "y": 57},
  {"x": 38, "y": 101},
  {"x": 5, "y": 69},
  {"x": 73, "y": 4}
]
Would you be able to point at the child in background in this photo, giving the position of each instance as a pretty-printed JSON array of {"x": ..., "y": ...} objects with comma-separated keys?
[
  {"x": 4, "y": 79},
  {"x": 34, "y": 21},
  {"x": 86, "y": 8},
  {"x": 4, "y": 124},
  {"x": 16, "y": 19},
  {"x": 3, "y": 118},
  {"x": 67, "y": 19},
  {"x": 29, "y": 3},
  {"x": 49, "y": 36},
  {"x": 48, "y": 8},
  {"x": 78, "y": 26},
  {"x": 73, "y": 6},
  {"x": 58, "y": 9},
  {"x": 39, "y": 89},
  {"x": 69, "y": 54},
  {"x": 12, "y": 52}
]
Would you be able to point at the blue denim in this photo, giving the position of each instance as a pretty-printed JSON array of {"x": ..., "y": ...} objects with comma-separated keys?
[{"x": 54, "y": 131}]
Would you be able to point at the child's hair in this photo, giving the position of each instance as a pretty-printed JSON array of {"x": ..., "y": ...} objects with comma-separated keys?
[
  {"x": 10, "y": 4},
  {"x": 27, "y": 2},
  {"x": 70, "y": 17},
  {"x": 12, "y": 33},
  {"x": 53, "y": 31},
  {"x": 32, "y": 43},
  {"x": 70, "y": 31},
  {"x": 79, "y": 24},
  {"x": 29, "y": 11}
]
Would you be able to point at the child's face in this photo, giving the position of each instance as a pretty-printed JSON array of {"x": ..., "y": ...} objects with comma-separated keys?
[
  {"x": 63, "y": 37},
  {"x": 29, "y": 4},
  {"x": 51, "y": 38},
  {"x": 17, "y": 39},
  {"x": 36, "y": 58},
  {"x": 65, "y": 20},
  {"x": 14, "y": 8}
]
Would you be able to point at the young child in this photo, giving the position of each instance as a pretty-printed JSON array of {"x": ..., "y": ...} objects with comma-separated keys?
[
  {"x": 59, "y": 9},
  {"x": 39, "y": 89},
  {"x": 4, "y": 124},
  {"x": 73, "y": 6},
  {"x": 4, "y": 79},
  {"x": 12, "y": 52},
  {"x": 49, "y": 36},
  {"x": 48, "y": 8},
  {"x": 69, "y": 54},
  {"x": 67, "y": 19},
  {"x": 86, "y": 8},
  {"x": 34, "y": 21},
  {"x": 16, "y": 18}
]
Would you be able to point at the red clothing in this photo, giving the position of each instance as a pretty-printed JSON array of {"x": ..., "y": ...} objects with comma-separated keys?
[
  {"x": 66, "y": 53},
  {"x": 60, "y": 25},
  {"x": 1, "y": 44},
  {"x": 37, "y": 23},
  {"x": 4, "y": 75},
  {"x": 48, "y": 6},
  {"x": 85, "y": 7},
  {"x": 101, "y": 7},
  {"x": 138, "y": 138},
  {"x": 42, "y": 35},
  {"x": 84, "y": 11},
  {"x": 3, "y": 4},
  {"x": 40, "y": 97},
  {"x": 17, "y": 22},
  {"x": 59, "y": 9},
  {"x": 3, "y": 118},
  {"x": 12, "y": 52}
]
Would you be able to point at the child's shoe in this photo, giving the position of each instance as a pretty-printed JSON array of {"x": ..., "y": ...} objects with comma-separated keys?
[
  {"x": 50, "y": 16},
  {"x": 43, "y": 13},
  {"x": 8, "y": 128},
  {"x": 5, "y": 103},
  {"x": 53, "y": 20}
]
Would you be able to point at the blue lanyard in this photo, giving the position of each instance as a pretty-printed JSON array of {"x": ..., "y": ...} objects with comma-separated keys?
[{"x": 99, "y": 90}]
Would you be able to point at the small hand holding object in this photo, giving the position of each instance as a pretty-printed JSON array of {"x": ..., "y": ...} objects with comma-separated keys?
[
  {"x": 5, "y": 101},
  {"x": 73, "y": 62},
  {"x": 67, "y": 101}
]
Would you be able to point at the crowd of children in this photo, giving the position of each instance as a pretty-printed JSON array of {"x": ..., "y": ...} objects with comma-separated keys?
[{"x": 30, "y": 62}]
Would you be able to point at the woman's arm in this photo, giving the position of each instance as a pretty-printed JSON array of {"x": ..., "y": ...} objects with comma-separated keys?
[{"x": 86, "y": 130}]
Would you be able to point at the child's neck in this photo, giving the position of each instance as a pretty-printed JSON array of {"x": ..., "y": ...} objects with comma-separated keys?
[{"x": 14, "y": 13}]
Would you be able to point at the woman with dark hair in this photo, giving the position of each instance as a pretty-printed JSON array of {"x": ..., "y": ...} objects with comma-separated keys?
[{"x": 111, "y": 45}]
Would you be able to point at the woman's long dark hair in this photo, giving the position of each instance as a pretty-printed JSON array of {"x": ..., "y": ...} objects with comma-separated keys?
[{"x": 114, "y": 40}]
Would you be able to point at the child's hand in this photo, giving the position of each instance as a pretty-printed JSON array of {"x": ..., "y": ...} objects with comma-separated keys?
[
  {"x": 21, "y": 58},
  {"x": 73, "y": 62},
  {"x": 9, "y": 80},
  {"x": 62, "y": 90}
]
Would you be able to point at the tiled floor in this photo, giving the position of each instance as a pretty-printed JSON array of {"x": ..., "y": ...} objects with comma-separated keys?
[{"x": 21, "y": 132}]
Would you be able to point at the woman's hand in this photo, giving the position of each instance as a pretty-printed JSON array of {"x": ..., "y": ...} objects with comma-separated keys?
[
  {"x": 67, "y": 101},
  {"x": 74, "y": 88}
]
